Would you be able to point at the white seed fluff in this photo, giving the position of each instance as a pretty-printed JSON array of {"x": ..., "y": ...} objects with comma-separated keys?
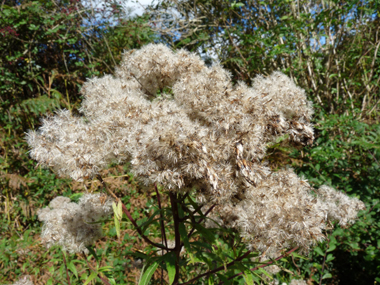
[
  {"x": 73, "y": 226},
  {"x": 203, "y": 133},
  {"x": 25, "y": 280}
]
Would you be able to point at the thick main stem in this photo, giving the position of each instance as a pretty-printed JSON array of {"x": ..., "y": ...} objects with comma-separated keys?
[{"x": 177, "y": 248}]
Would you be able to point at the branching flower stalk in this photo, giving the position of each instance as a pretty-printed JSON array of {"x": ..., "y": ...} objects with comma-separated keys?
[{"x": 201, "y": 133}]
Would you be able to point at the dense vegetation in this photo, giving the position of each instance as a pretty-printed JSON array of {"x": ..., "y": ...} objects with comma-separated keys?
[{"x": 330, "y": 48}]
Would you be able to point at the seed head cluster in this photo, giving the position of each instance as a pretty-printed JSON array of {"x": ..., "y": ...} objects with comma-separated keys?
[
  {"x": 25, "y": 280},
  {"x": 74, "y": 226},
  {"x": 184, "y": 125}
]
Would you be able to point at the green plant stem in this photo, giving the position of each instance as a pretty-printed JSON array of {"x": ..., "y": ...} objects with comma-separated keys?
[
  {"x": 323, "y": 266},
  {"x": 177, "y": 248},
  {"x": 161, "y": 216},
  {"x": 104, "y": 279},
  {"x": 67, "y": 271},
  {"x": 128, "y": 214},
  {"x": 201, "y": 220},
  {"x": 163, "y": 234}
]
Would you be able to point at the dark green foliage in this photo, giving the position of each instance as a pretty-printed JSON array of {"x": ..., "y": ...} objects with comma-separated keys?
[{"x": 346, "y": 155}]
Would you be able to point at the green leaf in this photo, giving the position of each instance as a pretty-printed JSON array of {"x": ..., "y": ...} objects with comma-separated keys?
[
  {"x": 151, "y": 219},
  {"x": 183, "y": 233},
  {"x": 237, "y": 5},
  {"x": 117, "y": 225},
  {"x": 327, "y": 275},
  {"x": 248, "y": 277},
  {"x": 92, "y": 251},
  {"x": 330, "y": 257},
  {"x": 115, "y": 211},
  {"x": 319, "y": 251},
  {"x": 145, "y": 278},
  {"x": 331, "y": 247},
  {"x": 73, "y": 269},
  {"x": 105, "y": 268},
  {"x": 265, "y": 273},
  {"x": 75, "y": 197},
  {"x": 170, "y": 266},
  {"x": 295, "y": 254},
  {"x": 120, "y": 209},
  {"x": 91, "y": 277}
]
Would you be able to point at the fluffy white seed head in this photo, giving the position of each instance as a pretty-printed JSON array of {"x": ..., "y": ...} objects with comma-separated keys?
[
  {"x": 73, "y": 226},
  {"x": 202, "y": 132},
  {"x": 25, "y": 280},
  {"x": 298, "y": 282},
  {"x": 340, "y": 207}
]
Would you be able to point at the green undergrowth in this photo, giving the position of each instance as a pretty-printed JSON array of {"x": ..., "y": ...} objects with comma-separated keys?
[{"x": 346, "y": 155}]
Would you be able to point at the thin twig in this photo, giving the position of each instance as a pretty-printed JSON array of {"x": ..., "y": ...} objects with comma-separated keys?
[
  {"x": 178, "y": 246},
  {"x": 295, "y": 264},
  {"x": 201, "y": 220},
  {"x": 161, "y": 216},
  {"x": 128, "y": 214},
  {"x": 109, "y": 50},
  {"x": 103, "y": 278},
  {"x": 374, "y": 158},
  {"x": 67, "y": 271},
  {"x": 163, "y": 234},
  {"x": 264, "y": 265},
  {"x": 142, "y": 86},
  {"x": 218, "y": 269},
  {"x": 106, "y": 186},
  {"x": 369, "y": 211},
  {"x": 323, "y": 266}
]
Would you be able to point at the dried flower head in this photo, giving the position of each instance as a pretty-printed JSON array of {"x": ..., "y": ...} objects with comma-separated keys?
[
  {"x": 25, "y": 280},
  {"x": 73, "y": 226},
  {"x": 202, "y": 132},
  {"x": 297, "y": 282}
]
